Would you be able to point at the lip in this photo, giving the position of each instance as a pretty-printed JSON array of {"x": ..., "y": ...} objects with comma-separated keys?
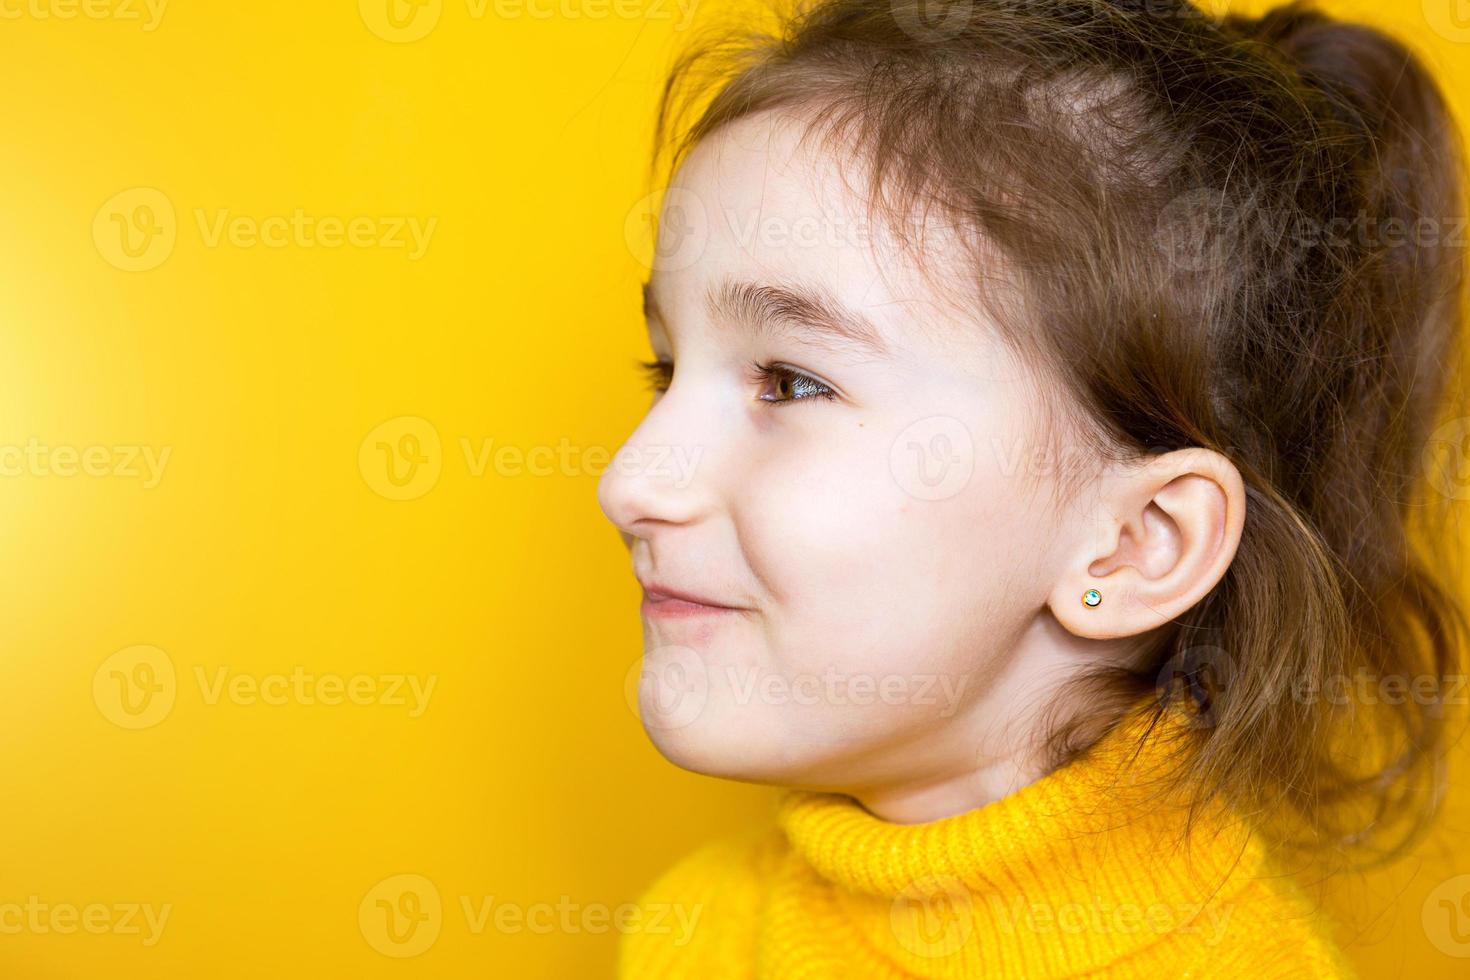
[{"x": 662, "y": 601}]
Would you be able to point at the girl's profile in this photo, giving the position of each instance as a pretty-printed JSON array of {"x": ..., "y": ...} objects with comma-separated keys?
[{"x": 1058, "y": 377}]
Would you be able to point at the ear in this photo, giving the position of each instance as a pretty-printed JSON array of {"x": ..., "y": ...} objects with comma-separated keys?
[{"x": 1161, "y": 536}]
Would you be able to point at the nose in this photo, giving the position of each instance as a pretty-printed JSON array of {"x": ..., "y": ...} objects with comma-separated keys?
[{"x": 657, "y": 477}]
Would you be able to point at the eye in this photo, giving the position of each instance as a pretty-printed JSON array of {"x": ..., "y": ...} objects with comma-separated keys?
[
  {"x": 781, "y": 383},
  {"x": 658, "y": 374}
]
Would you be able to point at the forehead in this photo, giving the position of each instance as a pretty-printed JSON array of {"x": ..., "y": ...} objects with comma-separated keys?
[
  {"x": 780, "y": 197},
  {"x": 756, "y": 201}
]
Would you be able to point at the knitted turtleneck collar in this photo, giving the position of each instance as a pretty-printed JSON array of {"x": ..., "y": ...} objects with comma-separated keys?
[{"x": 1067, "y": 874}]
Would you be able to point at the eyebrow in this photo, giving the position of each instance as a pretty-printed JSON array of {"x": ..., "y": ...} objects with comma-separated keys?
[{"x": 804, "y": 311}]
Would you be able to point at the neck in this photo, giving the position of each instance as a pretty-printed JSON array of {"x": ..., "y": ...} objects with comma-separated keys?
[
  {"x": 990, "y": 748},
  {"x": 924, "y": 800}
]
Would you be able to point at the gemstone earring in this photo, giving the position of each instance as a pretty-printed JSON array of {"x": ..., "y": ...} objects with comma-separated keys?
[{"x": 1091, "y": 597}]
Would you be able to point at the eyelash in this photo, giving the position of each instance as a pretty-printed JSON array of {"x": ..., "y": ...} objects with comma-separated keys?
[
  {"x": 766, "y": 372},
  {"x": 660, "y": 372}
]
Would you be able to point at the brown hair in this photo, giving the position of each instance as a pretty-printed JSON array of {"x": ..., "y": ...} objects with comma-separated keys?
[{"x": 1201, "y": 222}]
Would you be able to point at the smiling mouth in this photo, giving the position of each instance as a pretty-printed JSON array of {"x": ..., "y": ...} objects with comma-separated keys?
[{"x": 663, "y": 604}]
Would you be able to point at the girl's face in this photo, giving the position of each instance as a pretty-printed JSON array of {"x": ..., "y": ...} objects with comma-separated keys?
[{"x": 841, "y": 475}]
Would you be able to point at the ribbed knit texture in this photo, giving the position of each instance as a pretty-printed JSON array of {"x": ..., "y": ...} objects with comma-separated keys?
[{"x": 1075, "y": 875}]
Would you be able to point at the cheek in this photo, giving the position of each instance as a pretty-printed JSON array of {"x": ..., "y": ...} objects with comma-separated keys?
[
  {"x": 862, "y": 574},
  {"x": 866, "y": 575}
]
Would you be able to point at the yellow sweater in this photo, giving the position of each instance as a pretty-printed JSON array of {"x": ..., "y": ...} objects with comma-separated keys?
[{"x": 1070, "y": 876}]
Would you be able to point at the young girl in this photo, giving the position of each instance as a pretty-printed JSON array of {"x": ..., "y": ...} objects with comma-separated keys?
[{"x": 1057, "y": 380}]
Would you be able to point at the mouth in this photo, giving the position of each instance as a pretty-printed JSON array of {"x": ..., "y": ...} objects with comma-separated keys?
[{"x": 663, "y": 602}]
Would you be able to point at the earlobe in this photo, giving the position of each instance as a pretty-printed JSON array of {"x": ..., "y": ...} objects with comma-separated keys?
[
  {"x": 1170, "y": 528},
  {"x": 1096, "y": 614}
]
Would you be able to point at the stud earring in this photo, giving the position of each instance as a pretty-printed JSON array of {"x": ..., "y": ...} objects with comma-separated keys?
[{"x": 1091, "y": 597}]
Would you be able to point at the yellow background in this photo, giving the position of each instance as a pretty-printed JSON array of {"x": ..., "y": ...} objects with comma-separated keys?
[{"x": 270, "y": 542}]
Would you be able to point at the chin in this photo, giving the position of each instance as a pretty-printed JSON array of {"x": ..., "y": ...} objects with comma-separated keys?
[
  {"x": 710, "y": 749},
  {"x": 742, "y": 751}
]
